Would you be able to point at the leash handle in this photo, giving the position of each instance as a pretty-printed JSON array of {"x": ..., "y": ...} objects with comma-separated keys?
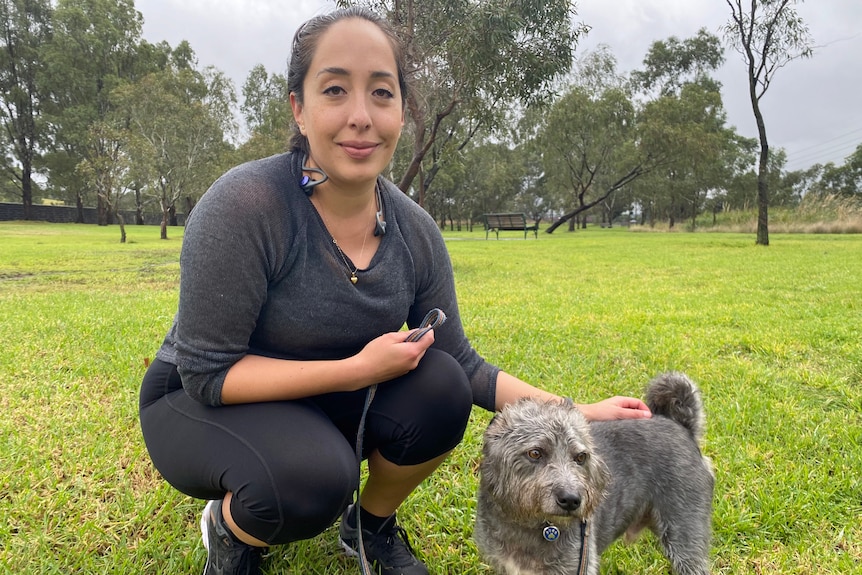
[{"x": 432, "y": 319}]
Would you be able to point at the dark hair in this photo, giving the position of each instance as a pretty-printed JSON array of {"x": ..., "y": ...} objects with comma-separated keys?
[{"x": 305, "y": 45}]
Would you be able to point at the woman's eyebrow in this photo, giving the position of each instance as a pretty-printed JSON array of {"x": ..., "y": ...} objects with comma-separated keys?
[{"x": 336, "y": 71}]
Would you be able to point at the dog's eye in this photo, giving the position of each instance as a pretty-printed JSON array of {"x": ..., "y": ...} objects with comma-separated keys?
[
  {"x": 534, "y": 454},
  {"x": 581, "y": 458}
]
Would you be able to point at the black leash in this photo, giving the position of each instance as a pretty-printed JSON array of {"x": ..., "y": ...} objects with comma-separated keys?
[{"x": 432, "y": 319}]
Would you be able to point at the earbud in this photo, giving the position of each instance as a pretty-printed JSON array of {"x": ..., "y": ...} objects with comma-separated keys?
[
  {"x": 379, "y": 223},
  {"x": 305, "y": 182}
]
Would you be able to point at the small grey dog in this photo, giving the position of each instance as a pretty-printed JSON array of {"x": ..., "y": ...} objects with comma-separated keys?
[{"x": 555, "y": 491}]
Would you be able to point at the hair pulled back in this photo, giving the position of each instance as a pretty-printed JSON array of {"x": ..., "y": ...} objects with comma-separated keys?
[{"x": 304, "y": 46}]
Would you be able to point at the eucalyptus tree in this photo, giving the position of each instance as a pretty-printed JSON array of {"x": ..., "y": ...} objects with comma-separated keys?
[
  {"x": 687, "y": 131},
  {"x": 266, "y": 112},
  {"x": 473, "y": 60},
  {"x": 768, "y": 34},
  {"x": 846, "y": 179},
  {"x": 96, "y": 47},
  {"x": 492, "y": 177},
  {"x": 25, "y": 25},
  {"x": 587, "y": 139},
  {"x": 682, "y": 120},
  {"x": 671, "y": 64},
  {"x": 179, "y": 126}
]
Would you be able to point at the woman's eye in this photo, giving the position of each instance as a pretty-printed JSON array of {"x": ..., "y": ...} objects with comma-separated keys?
[
  {"x": 383, "y": 93},
  {"x": 534, "y": 454},
  {"x": 581, "y": 458},
  {"x": 334, "y": 91}
]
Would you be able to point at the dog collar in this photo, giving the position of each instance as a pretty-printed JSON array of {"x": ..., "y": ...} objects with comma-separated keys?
[{"x": 551, "y": 533}]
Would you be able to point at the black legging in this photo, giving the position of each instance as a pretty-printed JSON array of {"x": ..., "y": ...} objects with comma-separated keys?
[{"x": 291, "y": 465}]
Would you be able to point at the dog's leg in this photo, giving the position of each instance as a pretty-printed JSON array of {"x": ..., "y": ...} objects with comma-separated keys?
[{"x": 686, "y": 549}]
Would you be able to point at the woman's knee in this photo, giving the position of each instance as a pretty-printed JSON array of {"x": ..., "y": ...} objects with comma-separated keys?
[
  {"x": 444, "y": 384},
  {"x": 426, "y": 415},
  {"x": 298, "y": 504}
]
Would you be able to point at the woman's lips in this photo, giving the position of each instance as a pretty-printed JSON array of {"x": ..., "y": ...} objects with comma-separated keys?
[{"x": 358, "y": 150}]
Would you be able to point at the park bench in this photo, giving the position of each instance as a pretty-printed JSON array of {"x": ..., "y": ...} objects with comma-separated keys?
[{"x": 509, "y": 223}]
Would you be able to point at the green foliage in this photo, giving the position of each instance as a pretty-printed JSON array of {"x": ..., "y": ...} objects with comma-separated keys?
[
  {"x": 470, "y": 61},
  {"x": 772, "y": 337},
  {"x": 672, "y": 63},
  {"x": 24, "y": 27}
]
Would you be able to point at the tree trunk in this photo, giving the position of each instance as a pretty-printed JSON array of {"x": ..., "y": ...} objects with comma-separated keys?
[
  {"x": 762, "y": 173},
  {"x": 79, "y": 205},
  {"x": 762, "y": 188},
  {"x": 101, "y": 211},
  {"x": 139, "y": 208},
  {"x": 27, "y": 195},
  {"x": 122, "y": 223}
]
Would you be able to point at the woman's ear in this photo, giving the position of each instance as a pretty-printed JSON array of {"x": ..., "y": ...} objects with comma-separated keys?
[{"x": 296, "y": 107}]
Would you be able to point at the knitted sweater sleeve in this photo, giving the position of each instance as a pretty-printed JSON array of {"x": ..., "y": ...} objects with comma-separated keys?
[{"x": 231, "y": 247}]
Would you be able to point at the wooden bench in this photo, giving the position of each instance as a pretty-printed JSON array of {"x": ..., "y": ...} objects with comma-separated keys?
[{"x": 509, "y": 223}]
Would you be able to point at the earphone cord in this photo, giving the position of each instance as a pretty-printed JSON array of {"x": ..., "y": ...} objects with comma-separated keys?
[{"x": 432, "y": 319}]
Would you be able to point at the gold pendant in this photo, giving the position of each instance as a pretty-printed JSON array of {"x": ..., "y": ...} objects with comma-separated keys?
[{"x": 353, "y": 279}]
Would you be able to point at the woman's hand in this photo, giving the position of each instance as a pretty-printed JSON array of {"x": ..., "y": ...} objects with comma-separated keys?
[
  {"x": 615, "y": 408},
  {"x": 390, "y": 356}
]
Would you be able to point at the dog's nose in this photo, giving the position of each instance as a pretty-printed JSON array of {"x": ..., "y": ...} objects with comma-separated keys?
[{"x": 568, "y": 501}]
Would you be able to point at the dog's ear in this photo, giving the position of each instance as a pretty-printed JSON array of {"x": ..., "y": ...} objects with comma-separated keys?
[{"x": 496, "y": 427}]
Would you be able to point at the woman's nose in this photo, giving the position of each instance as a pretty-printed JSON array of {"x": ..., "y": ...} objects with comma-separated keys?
[{"x": 359, "y": 115}]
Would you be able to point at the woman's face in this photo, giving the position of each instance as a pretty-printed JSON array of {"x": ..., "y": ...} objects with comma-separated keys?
[{"x": 352, "y": 113}]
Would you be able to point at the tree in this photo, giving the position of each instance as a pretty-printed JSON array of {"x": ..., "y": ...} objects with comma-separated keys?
[
  {"x": 178, "y": 119},
  {"x": 768, "y": 34},
  {"x": 588, "y": 139},
  {"x": 683, "y": 119},
  {"x": 96, "y": 47},
  {"x": 846, "y": 179},
  {"x": 672, "y": 63},
  {"x": 473, "y": 60},
  {"x": 587, "y": 142},
  {"x": 687, "y": 131},
  {"x": 24, "y": 27},
  {"x": 266, "y": 111},
  {"x": 106, "y": 171}
]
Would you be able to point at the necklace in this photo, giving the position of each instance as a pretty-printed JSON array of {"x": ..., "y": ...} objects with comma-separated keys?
[{"x": 353, "y": 277}]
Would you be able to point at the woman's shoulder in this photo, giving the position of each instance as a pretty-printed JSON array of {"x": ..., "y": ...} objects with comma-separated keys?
[
  {"x": 256, "y": 175},
  {"x": 256, "y": 186}
]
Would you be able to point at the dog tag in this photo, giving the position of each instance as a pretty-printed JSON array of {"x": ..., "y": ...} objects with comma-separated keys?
[{"x": 551, "y": 533}]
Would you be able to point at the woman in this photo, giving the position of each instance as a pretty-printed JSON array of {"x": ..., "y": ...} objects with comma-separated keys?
[{"x": 297, "y": 273}]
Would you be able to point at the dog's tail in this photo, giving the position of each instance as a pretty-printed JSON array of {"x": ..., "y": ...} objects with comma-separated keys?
[{"x": 677, "y": 397}]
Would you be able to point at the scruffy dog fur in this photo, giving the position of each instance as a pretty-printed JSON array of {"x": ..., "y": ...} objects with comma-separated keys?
[{"x": 545, "y": 466}]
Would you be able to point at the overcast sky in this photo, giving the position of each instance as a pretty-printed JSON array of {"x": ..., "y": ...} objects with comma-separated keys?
[{"x": 813, "y": 109}]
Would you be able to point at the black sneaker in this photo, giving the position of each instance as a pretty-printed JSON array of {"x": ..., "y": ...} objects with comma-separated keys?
[
  {"x": 388, "y": 551},
  {"x": 226, "y": 555}
]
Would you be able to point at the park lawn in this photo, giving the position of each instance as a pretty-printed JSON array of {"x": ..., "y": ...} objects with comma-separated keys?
[{"x": 772, "y": 335}]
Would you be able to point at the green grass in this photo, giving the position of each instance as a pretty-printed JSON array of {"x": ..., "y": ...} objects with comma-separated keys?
[{"x": 772, "y": 335}]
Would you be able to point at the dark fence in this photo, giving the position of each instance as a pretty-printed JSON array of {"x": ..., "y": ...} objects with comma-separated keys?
[{"x": 69, "y": 215}]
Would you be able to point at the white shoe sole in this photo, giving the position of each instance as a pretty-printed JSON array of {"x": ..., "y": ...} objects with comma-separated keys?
[{"x": 205, "y": 516}]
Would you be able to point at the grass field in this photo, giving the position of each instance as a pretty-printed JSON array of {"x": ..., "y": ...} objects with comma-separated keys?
[{"x": 772, "y": 335}]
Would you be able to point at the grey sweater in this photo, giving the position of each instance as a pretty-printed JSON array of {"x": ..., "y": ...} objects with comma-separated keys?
[{"x": 259, "y": 275}]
